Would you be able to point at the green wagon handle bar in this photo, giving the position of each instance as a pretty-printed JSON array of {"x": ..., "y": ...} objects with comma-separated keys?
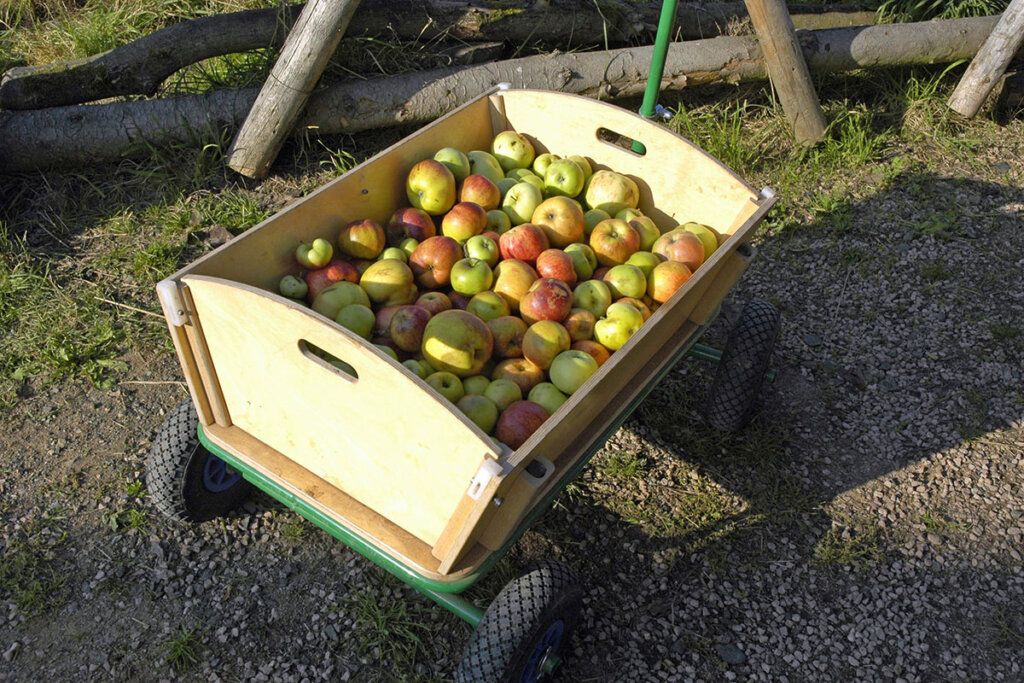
[{"x": 661, "y": 43}]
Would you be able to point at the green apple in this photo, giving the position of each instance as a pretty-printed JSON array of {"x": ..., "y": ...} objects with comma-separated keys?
[
  {"x": 395, "y": 253},
  {"x": 498, "y": 221},
  {"x": 547, "y": 396},
  {"x": 332, "y": 298},
  {"x": 457, "y": 341},
  {"x": 447, "y": 384},
  {"x": 483, "y": 248},
  {"x": 480, "y": 409},
  {"x": 488, "y": 305},
  {"x": 471, "y": 276},
  {"x": 648, "y": 230},
  {"x": 628, "y": 214},
  {"x": 476, "y": 384},
  {"x": 706, "y": 235},
  {"x": 357, "y": 318},
  {"x": 387, "y": 351},
  {"x": 621, "y": 322},
  {"x": 592, "y": 218},
  {"x": 506, "y": 184},
  {"x": 626, "y": 280},
  {"x": 486, "y": 165},
  {"x": 418, "y": 368},
  {"x": 315, "y": 254},
  {"x": 645, "y": 261},
  {"x": 408, "y": 245},
  {"x": 520, "y": 202},
  {"x": 542, "y": 161},
  {"x": 504, "y": 392},
  {"x": 588, "y": 170},
  {"x": 563, "y": 178},
  {"x": 389, "y": 282},
  {"x": 293, "y": 287},
  {"x": 570, "y": 369},
  {"x": 536, "y": 181},
  {"x": 430, "y": 186},
  {"x": 456, "y": 161},
  {"x": 583, "y": 259},
  {"x": 593, "y": 295},
  {"x": 512, "y": 150},
  {"x": 520, "y": 173}
]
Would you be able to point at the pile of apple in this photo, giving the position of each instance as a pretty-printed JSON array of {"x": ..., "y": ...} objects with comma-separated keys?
[{"x": 508, "y": 281}]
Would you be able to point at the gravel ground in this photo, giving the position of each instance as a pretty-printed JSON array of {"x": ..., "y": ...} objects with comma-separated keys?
[{"x": 867, "y": 526}]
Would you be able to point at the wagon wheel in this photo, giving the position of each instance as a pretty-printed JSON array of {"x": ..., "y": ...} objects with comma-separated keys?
[
  {"x": 526, "y": 626},
  {"x": 186, "y": 482},
  {"x": 741, "y": 372}
]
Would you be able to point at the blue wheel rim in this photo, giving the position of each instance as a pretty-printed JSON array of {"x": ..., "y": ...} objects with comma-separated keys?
[
  {"x": 218, "y": 476},
  {"x": 547, "y": 645}
]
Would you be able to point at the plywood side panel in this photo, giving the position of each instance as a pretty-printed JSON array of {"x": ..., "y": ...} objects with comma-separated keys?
[
  {"x": 678, "y": 181},
  {"x": 382, "y": 438}
]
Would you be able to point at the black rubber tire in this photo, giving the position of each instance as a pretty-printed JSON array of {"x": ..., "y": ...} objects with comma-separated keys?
[
  {"x": 745, "y": 360},
  {"x": 518, "y": 623},
  {"x": 174, "y": 472}
]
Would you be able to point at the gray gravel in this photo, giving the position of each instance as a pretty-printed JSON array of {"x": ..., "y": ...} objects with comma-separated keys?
[{"x": 896, "y": 424}]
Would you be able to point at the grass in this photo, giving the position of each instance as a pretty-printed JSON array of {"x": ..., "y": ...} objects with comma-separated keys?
[
  {"x": 30, "y": 573},
  {"x": 181, "y": 651},
  {"x": 857, "y": 548}
]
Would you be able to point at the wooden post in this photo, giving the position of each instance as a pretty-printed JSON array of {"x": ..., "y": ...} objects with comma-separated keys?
[
  {"x": 988, "y": 65},
  {"x": 309, "y": 46},
  {"x": 787, "y": 69}
]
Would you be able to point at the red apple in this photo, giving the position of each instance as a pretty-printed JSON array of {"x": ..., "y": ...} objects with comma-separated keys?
[
  {"x": 434, "y": 302},
  {"x": 561, "y": 219},
  {"x": 407, "y": 326},
  {"x": 459, "y": 301},
  {"x": 518, "y": 422},
  {"x": 524, "y": 242},
  {"x": 508, "y": 331},
  {"x": 430, "y": 186},
  {"x": 613, "y": 241},
  {"x": 432, "y": 260},
  {"x": 682, "y": 246},
  {"x": 547, "y": 299},
  {"x": 382, "y": 320},
  {"x": 457, "y": 342},
  {"x": 524, "y": 373},
  {"x": 512, "y": 279},
  {"x": 335, "y": 271},
  {"x": 543, "y": 341},
  {"x": 580, "y": 324},
  {"x": 599, "y": 353},
  {"x": 557, "y": 264},
  {"x": 666, "y": 278},
  {"x": 464, "y": 220},
  {"x": 363, "y": 239},
  {"x": 409, "y": 222},
  {"x": 481, "y": 190}
]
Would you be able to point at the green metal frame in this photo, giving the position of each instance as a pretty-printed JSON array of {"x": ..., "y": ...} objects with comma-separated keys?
[{"x": 445, "y": 593}]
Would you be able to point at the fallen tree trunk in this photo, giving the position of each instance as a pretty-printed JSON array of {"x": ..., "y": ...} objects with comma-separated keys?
[
  {"x": 139, "y": 67},
  {"x": 86, "y": 134}
]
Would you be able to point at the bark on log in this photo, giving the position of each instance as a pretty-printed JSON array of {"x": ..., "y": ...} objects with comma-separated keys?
[
  {"x": 990, "y": 63},
  {"x": 86, "y": 134},
  {"x": 139, "y": 67}
]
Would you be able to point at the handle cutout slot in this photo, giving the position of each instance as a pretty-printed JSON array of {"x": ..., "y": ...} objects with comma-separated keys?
[
  {"x": 610, "y": 137},
  {"x": 328, "y": 361}
]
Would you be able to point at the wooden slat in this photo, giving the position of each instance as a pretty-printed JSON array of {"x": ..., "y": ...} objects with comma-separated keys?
[
  {"x": 204, "y": 363},
  {"x": 788, "y": 69},
  {"x": 990, "y": 63},
  {"x": 381, "y": 438}
]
